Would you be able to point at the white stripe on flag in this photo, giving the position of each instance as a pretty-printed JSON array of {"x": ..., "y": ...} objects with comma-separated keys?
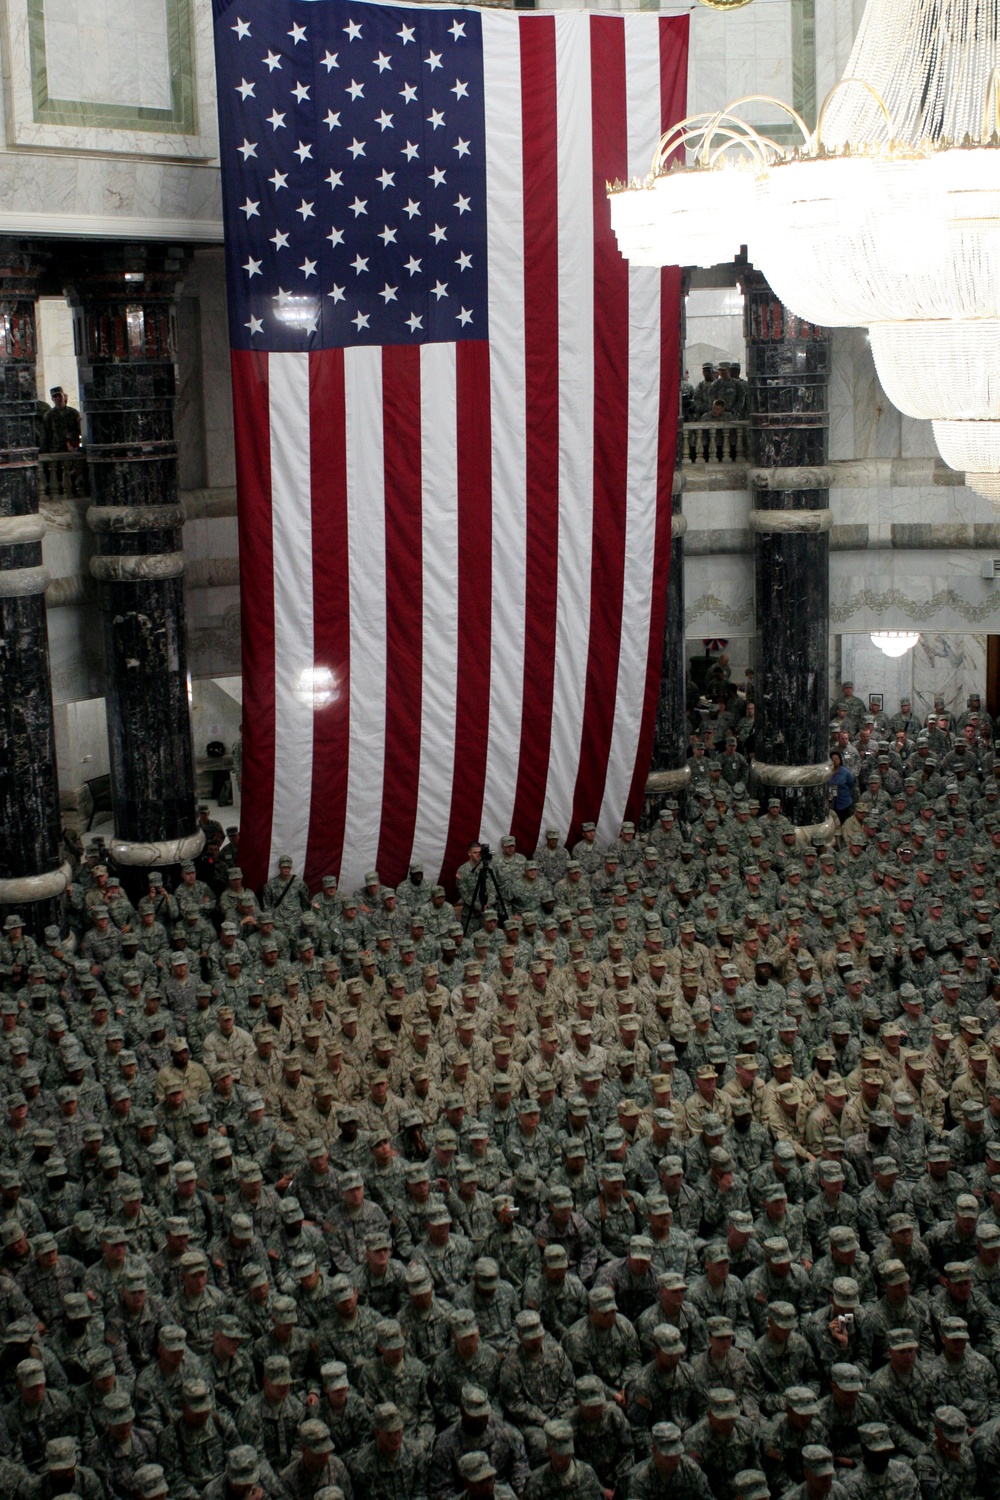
[
  {"x": 642, "y": 73},
  {"x": 439, "y": 530},
  {"x": 505, "y": 193},
  {"x": 576, "y": 412},
  {"x": 366, "y": 561},
  {"x": 291, "y": 537}
]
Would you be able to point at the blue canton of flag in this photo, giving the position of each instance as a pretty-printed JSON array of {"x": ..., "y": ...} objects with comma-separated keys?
[{"x": 354, "y": 175}]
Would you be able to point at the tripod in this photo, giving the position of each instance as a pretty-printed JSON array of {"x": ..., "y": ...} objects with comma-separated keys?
[{"x": 480, "y": 895}]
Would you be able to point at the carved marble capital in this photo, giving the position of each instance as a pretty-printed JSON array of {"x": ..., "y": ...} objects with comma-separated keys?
[
  {"x": 19, "y": 583},
  {"x": 791, "y": 520},
  {"x": 118, "y": 518},
  {"x": 793, "y": 776},
  {"x": 791, "y": 479},
  {"x": 163, "y": 851},
  {"x": 827, "y": 830},
  {"x": 22, "y": 889},
  {"x": 146, "y": 567},
  {"x": 16, "y": 530},
  {"x": 662, "y": 783}
]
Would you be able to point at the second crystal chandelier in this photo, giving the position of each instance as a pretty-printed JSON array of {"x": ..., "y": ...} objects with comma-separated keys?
[{"x": 887, "y": 216}]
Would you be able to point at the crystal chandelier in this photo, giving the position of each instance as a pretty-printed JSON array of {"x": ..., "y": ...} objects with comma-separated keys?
[
  {"x": 886, "y": 216},
  {"x": 895, "y": 642}
]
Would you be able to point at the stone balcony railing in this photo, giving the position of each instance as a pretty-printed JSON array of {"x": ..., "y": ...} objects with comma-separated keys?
[
  {"x": 716, "y": 442},
  {"x": 63, "y": 474}
]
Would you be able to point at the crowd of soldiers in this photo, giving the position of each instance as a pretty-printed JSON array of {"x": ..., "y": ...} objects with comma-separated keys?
[
  {"x": 720, "y": 397},
  {"x": 676, "y": 1176}
]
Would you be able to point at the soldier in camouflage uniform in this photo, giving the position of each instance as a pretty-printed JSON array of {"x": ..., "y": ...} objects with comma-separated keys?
[
  {"x": 477, "y": 1429},
  {"x": 192, "y": 1449},
  {"x": 389, "y": 1467},
  {"x": 564, "y": 1472}
]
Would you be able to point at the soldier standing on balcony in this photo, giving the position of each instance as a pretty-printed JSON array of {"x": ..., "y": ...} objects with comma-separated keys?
[{"x": 63, "y": 435}]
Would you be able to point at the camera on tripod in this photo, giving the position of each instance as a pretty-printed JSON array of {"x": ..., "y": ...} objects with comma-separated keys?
[{"x": 482, "y": 895}]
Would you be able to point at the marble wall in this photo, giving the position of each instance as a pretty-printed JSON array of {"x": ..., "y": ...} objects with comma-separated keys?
[
  {"x": 215, "y": 715},
  {"x": 758, "y": 50},
  {"x": 207, "y": 281},
  {"x": 100, "y": 51},
  {"x": 56, "y": 355},
  {"x": 110, "y": 119},
  {"x": 81, "y": 743},
  {"x": 950, "y": 666},
  {"x": 714, "y": 323},
  {"x": 871, "y": 671},
  {"x": 149, "y": 166}
]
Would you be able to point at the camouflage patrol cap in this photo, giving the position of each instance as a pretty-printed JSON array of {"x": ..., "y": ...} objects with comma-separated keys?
[
  {"x": 389, "y": 1334},
  {"x": 333, "y": 1375},
  {"x": 30, "y": 1372},
  {"x": 590, "y": 1390},
  {"x": 818, "y": 1459},
  {"x": 668, "y": 1338},
  {"x": 285, "y": 1310},
  {"x": 314, "y": 1435},
  {"x": 875, "y": 1436},
  {"x": 845, "y": 1292},
  {"x": 783, "y": 1314},
  {"x": 723, "y": 1402},
  {"x": 149, "y": 1482},
  {"x": 801, "y": 1400},
  {"x": 116, "y": 1409},
  {"x": 476, "y": 1466},
  {"x": 751, "y": 1484},
  {"x": 894, "y": 1273},
  {"x": 559, "y": 1436},
  {"x": 242, "y": 1465},
  {"x": 528, "y": 1325},
  {"x": 848, "y": 1377},
  {"x": 196, "y": 1395},
  {"x": 952, "y": 1422},
  {"x": 418, "y": 1279}
]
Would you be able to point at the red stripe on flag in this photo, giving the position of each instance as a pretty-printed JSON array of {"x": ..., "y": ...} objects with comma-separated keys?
[
  {"x": 673, "y": 106},
  {"x": 475, "y": 603},
  {"x": 611, "y": 376},
  {"x": 331, "y": 612},
  {"x": 404, "y": 608},
  {"x": 253, "y": 480},
  {"x": 541, "y": 359}
]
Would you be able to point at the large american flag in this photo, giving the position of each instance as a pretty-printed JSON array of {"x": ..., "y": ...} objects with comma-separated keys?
[{"x": 456, "y": 413}]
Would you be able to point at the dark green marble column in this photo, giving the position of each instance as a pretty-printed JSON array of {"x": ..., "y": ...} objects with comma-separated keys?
[
  {"x": 788, "y": 377},
  {"x": 123, "y": 298},
  {"x": 31, "y": 880}
]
